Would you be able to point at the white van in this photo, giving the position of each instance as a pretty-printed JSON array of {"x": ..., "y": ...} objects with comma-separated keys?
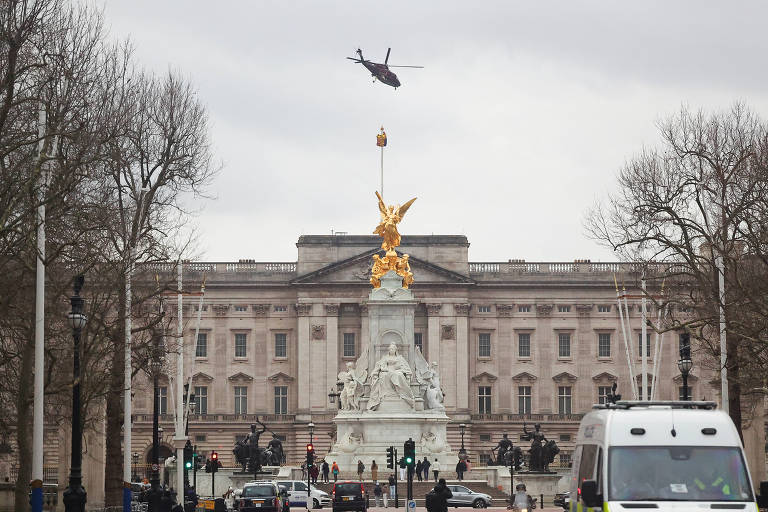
[
  {"x": 297, "y": 494},
  {"x": 642, "y": 455}
]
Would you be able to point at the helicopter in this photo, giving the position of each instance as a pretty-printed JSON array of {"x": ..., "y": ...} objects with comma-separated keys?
[{"x": 381, "y": 71}]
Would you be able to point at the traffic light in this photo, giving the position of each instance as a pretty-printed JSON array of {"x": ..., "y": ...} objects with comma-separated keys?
[
  {"x": 188, "y": 456},
  {"x": 391, "y": 457},
  {"x": 214, "y": 462},
  {"x": 409, "y": 448},
  {"x": 310, "y": 454}
]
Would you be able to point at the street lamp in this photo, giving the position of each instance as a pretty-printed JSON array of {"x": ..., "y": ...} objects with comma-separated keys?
[
  {"x": 311, "y": 428},
  {"x": 462, "y": 429},
  {"x": 684, "y": 364},
  {"x": 75, "y": 496},
  {"x": 155, "y": 494},
  {"x": 333, "y": 396}
]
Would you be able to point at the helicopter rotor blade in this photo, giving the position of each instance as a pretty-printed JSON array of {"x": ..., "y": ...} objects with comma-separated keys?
[
  {"x": 354, "y": 59},
  {"x": 393, "y": 66},
  {"x": 387, "y": 57}
]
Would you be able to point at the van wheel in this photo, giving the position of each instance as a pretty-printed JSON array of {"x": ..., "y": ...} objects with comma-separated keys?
[
  {"x": 315, "y": 503},
  {"x": 479, "y": 503}
]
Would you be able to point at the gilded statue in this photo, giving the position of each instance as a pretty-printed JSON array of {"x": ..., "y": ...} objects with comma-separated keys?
[{"x": 387, "y": 230}]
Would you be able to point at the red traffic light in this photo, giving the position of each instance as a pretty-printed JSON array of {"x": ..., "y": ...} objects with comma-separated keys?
[
  {"x": 214, "y": 456},
  {"x": 310, "y": 448}
]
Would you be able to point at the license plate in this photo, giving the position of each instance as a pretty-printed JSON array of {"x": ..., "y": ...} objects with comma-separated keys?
[
  {"x": 258, "y": 503},
  {"x": 346, "y": 498}
]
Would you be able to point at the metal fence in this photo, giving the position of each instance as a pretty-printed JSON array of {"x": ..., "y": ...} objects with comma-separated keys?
[{"x": 50, "y": 474}]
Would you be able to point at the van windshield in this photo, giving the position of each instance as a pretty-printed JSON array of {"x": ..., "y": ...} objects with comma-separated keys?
[{"x": 677, "y": 473}]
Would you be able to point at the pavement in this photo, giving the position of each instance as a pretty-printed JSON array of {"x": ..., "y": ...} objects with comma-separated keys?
[{"x": 421, "y": 508}]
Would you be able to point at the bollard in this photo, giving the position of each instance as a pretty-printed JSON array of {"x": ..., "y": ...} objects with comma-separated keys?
[{"x": 541, "y": 501}]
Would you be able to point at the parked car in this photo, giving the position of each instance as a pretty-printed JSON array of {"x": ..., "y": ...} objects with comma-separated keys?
[
  {"x": 562, "y": 499},
  {"x": 262, "y": 496},
  {"x": 297, "y": 494},
  {"x": 465, "y": 497},
  {"x": 349, "y": 496}
]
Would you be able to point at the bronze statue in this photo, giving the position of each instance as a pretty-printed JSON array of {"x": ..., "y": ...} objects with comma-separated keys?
[
  {"x": 275, "y": 454},
  {"x": 503, "y": 446},
  {"x": 387, "y": 229},
  {"x": 542, "y": 452},
  {"x": 252, "y": 457}
]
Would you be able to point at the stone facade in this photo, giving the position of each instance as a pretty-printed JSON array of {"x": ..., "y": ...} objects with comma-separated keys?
[{"x": 515, "y": 342}]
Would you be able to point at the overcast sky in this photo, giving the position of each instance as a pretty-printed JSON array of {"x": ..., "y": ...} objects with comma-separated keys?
[{"x": 517, "y": 125}]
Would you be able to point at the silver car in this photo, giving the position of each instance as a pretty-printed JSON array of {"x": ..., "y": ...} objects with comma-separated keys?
[{"x": 464, "y": 497}]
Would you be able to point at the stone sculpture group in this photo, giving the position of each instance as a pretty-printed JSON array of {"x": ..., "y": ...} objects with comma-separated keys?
[
  {"x": 540, "y": 455},
  {"x": 391, "y": 376},
  {"x": 252, "y": 457}
]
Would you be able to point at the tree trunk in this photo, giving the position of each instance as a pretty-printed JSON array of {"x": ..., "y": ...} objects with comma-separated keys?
[
  {"x": 113, "y": 472},
  {"x": 23, "y": 427}
]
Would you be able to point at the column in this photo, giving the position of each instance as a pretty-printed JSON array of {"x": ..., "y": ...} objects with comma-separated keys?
[
  {"x": 433, "y": 333},
  {"x": 462, "y": 357},
  {"x": 504, "y": 353},
  {"x": 587, "y": 352},
  {"x": 302, "y": 342},
  {"x": 546, "y": 357},
  {"x": 331, "y": 351}
]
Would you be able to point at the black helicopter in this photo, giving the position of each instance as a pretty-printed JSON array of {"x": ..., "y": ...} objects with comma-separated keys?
[{"x": 381, "y": 71}]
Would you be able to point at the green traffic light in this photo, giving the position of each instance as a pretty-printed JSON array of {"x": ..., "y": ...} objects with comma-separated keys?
[
  {"x": 408, "y": 460},
  {"x": 188, "y": 465}
]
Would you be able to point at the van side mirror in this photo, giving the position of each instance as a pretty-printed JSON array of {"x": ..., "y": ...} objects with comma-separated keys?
[
  {"x": 589, "y": 494},
  {"x": 762, "y": 499}
]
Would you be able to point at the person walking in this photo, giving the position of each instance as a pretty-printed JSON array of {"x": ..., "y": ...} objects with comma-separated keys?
[
  {"x": 377, "y": 494},
  {"x": 419, "y": 470},
  {"x": 436, "y": 468},
  {"x": 425, "y": 467},
  {"x": 374, "y": 472},
  {"x": 437, "y": 498},
  {"x": 402, "y": 465},
  {"x": 461, "y": 467},
  {"x": 313, "y": 472},
  {"x": 335, "y": 471},
  {"x": 326, "y": 470},
  {"x": 392, "y": 486},
  {"x": 360, "y": 469}
]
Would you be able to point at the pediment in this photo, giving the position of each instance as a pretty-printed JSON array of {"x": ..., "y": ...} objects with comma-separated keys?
[
  {"x": 280, "y": 376},
  {"x": 240, "y": 376},
  {"x": 605, "y": 376},
  {"x": 524, "y": 376},
  {"x": 202, "y": 376},
  {"x": 564, "y": 376},
  {"x": 357, "y": 270},
  {"x": 485, "y": 376}
]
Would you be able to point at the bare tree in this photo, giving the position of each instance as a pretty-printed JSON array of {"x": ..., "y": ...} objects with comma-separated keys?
[{"x": 700, "y": 196}]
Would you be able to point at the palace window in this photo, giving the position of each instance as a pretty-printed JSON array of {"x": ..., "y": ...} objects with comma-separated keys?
[
  {"x": 280, "y": 308},
  {"x": 565, "y": 460},
  {"x": 483, "y": 309},
  {"x": 200, "y": 438},
  {"x": 648, "y": 389},
  {"x": 281, "y": 399},
  {"x": 565, "y": 437},
  {"x": 163, "y": 400},
  {"x": 281, "y": 344},
  {"x": 201, "y": 347},
  {"x": 484, "y": 399},
  {"x": 524, "y": 344},
  {"x": 241, "y": 349},
  {"x": 201, "y": 399},
  {"x": 563, "y": 309},
  {"x": 523, "y": 309},
  {"x": 603, "y": 309},
  {"x": 563, "y": 345},
  {"x": 485, "y": 459},
  {"x": 524, "y": 399},
  {"x": 485, "y": 437},
  {"x": 241, "y": 308},
  {"x": 603, "y": 392},
  {"x": 640, "y": 344},
  {"x": 418, "y": 341},
  {"x": 564, "y": 399},
  {"x": 604, "y": 344},
  {"x": 241, "y": 400},
  {"x": 349, "y": 344},
  {"x": 484, "y": 344},
  {"x": 680, "y": 393}
]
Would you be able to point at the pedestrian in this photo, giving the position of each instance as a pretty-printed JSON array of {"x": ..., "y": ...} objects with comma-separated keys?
[
  {"x": 461, "y": 467},
  {"x": 385, "y": 492},
  {"x": 392, "y": 486},
  {"x": 437, "y": 498},
  {"x": 419, "y": 470},
  {"x": 377, "y": 494},
  {"x": 436, "y": 468},
  {"x": 402, "y": 465},
  {"x": 469, "y": 465},
  {"x": 425, "y": 467},
  {"x": 303, "y": 471},
  {"x": 374, "y": 472},
  {"x": 335, "y": 471},
  {"x": 360, "y": 469},
  {"x": 326, "y": 470},
  {"x": 313, "y": 472}
]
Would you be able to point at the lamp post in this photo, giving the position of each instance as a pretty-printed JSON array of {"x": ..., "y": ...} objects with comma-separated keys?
[
  {"x": 155, "y": 494},
  {"x": 309, "y": 503},
  {"x": 684, "y": 364},
  {"x": 333, "y": 396},
  {"x": 75, "y": 496}
]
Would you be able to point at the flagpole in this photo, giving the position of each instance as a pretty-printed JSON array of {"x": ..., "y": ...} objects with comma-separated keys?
[{"x": 382, "y": 171}]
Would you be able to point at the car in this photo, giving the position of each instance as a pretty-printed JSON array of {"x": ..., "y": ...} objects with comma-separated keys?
[
  {"x": 349, "y": 495},
  {"x": 562, "y": 499},
  {"x": 465, "y": 497},
  {"x": 297, "y": 494},
  {"x": 262, "y": 496}
]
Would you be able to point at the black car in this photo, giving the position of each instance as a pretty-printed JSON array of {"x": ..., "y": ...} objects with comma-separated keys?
[
  {"x": 262, "y": 497},
  {"x": 562, "y": 500},
  {"x": 349, "y": 496}
]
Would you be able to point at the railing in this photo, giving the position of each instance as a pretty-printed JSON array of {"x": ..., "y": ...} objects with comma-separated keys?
[
  {"x": 576, "y": 267},
  {"x": 50, "y": 474},
  {"x": 527, "y": 417},
  {"x": 167, "y": 418},
  {"x": 231, "y": 267}
]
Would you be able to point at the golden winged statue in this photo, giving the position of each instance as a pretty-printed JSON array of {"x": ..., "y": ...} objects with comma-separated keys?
[
  {"x": 387, "y": 230},
  {"x": 390, "y": 218}
]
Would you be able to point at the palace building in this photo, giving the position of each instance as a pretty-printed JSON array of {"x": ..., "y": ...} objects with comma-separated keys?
[{"x": 516, "y": 342}]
